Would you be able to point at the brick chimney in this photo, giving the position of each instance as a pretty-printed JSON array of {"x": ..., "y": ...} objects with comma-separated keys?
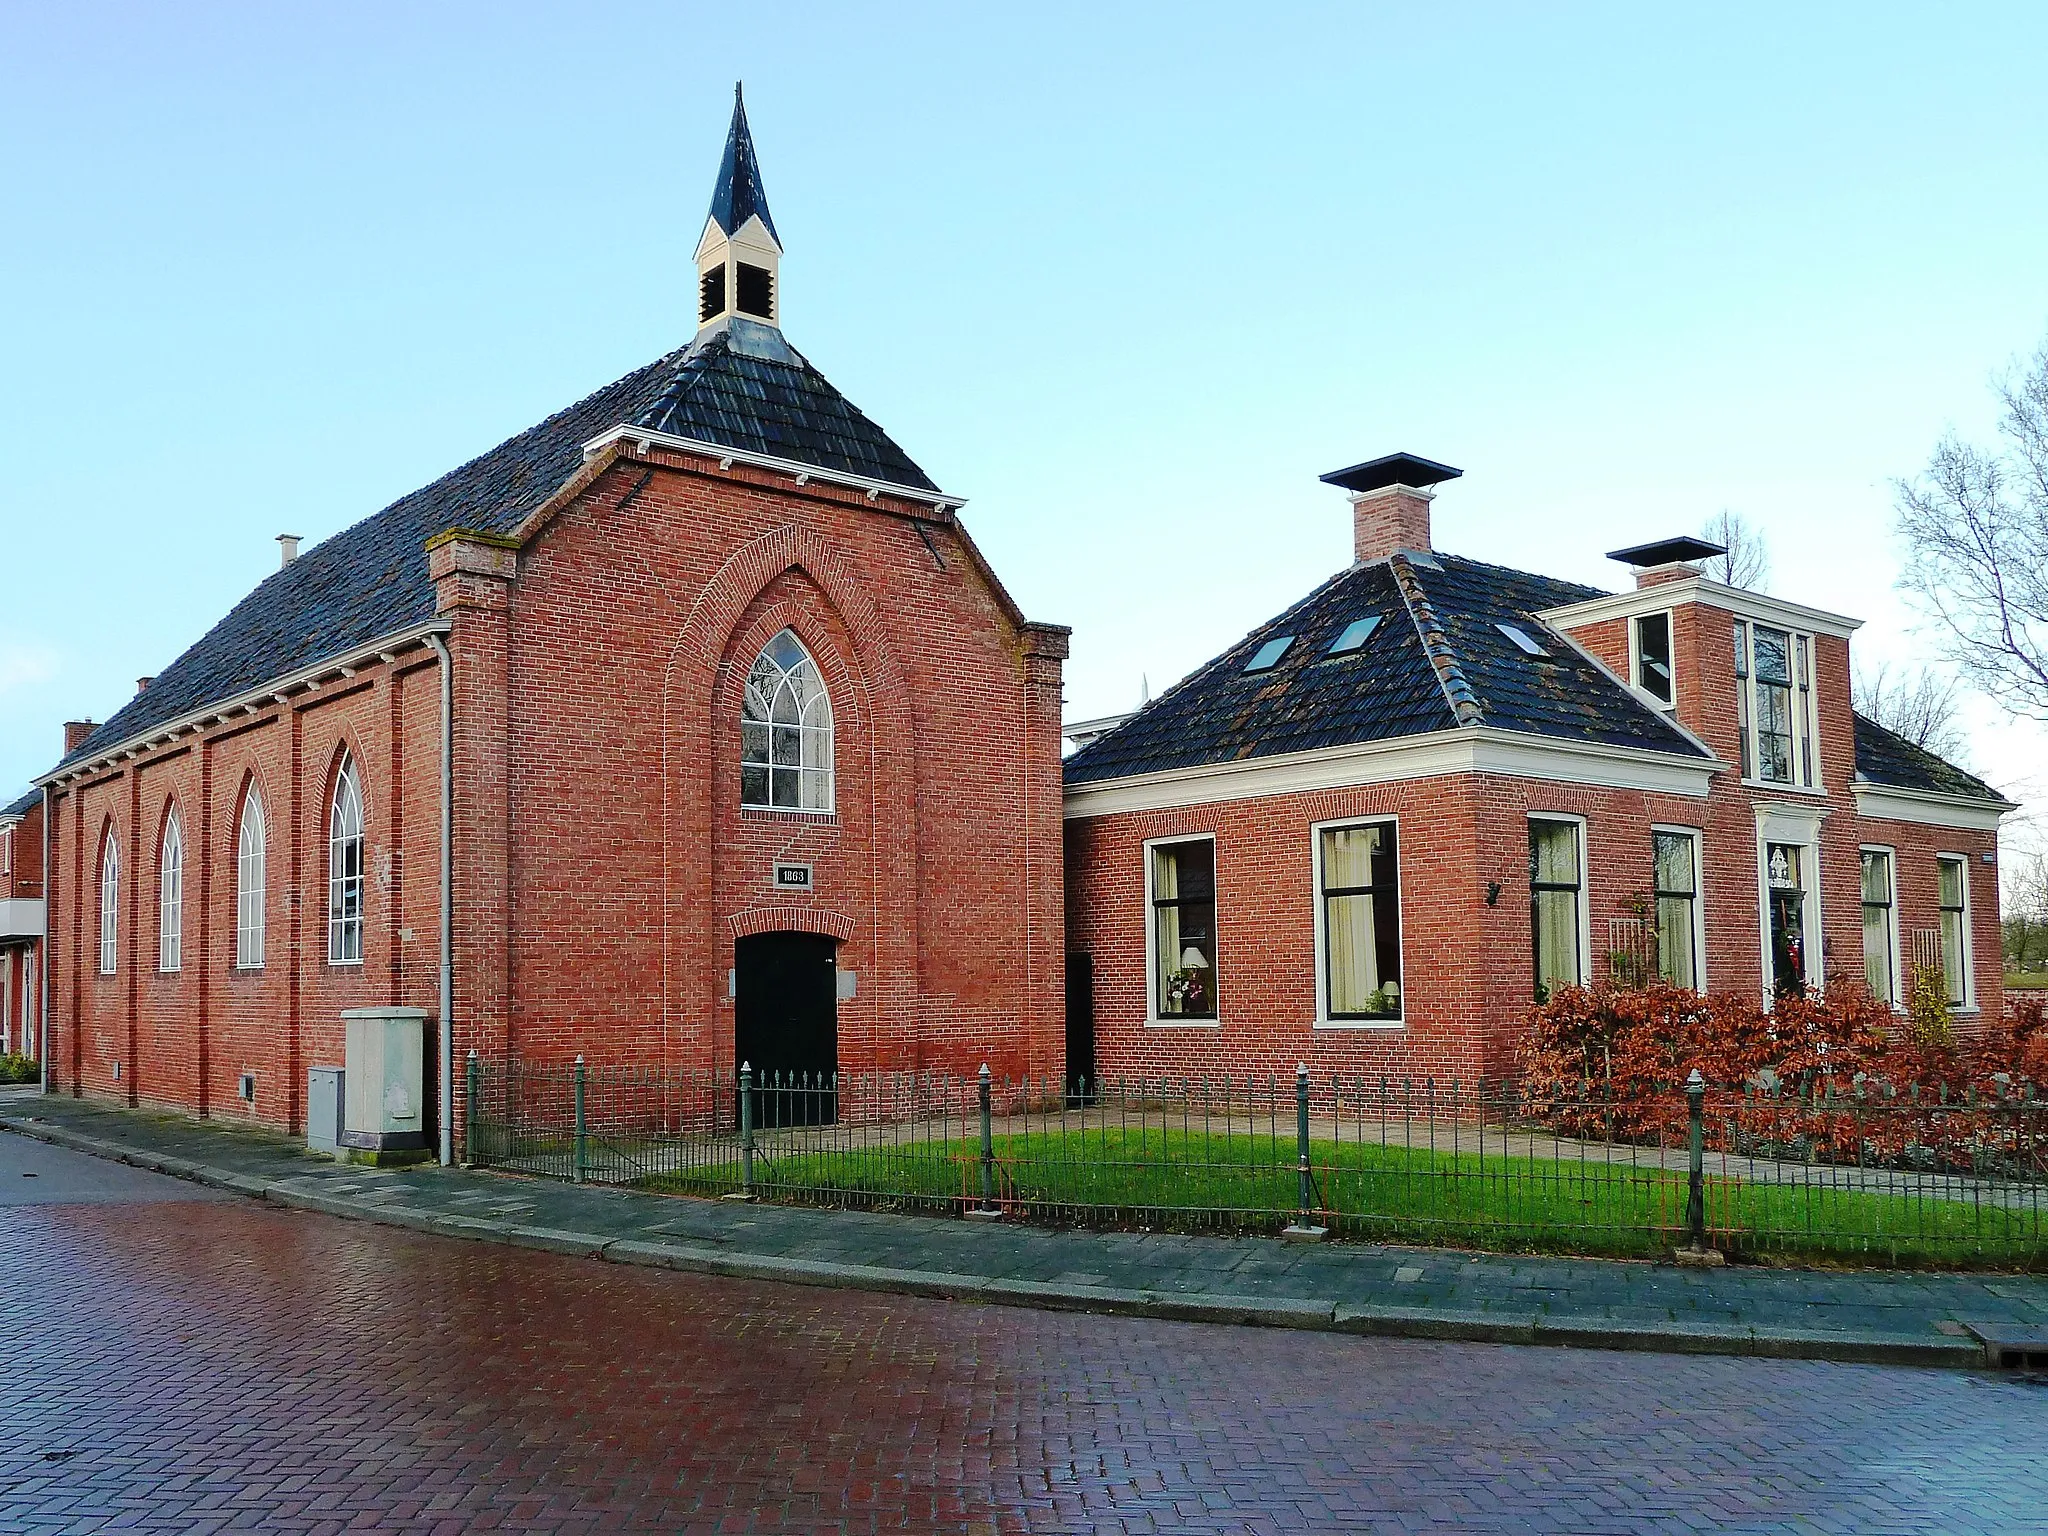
[
  {"x": 1390, "y": 500},
  {"x": 75, "y": 732}
]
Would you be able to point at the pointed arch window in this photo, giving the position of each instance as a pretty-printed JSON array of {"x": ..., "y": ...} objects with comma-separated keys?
[
  {"x": 250, "y": 851},
  {"x": 110, "y": 903},
  {"x": 786, "y": 731},
  {"x": 345, "y": 867},
  {"x": 170, "y": 896}
]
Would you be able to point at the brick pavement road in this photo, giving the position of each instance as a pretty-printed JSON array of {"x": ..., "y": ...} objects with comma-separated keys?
[{"x": 174, "y": 1361}]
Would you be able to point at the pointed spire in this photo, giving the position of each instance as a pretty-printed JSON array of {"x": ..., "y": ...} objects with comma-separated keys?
[{"x": 738, "y": 194}]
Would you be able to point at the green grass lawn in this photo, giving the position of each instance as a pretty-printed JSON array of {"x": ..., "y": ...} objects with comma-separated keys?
[{"x": 1185, "y": 1181}]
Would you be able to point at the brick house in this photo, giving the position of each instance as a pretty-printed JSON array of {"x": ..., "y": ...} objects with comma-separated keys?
[
  {"x": 687, "y": 724},
  {"x": 1370, "y": 833},
  {"x": 21, "y": 925}
]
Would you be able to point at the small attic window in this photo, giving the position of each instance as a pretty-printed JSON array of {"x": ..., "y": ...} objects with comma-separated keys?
[
  {"x": 757, "y": 291},
  {"x": 1354, "y": 635},
  {"x": 1267, "y": 656},
  {"x": 1521, "y": 638}
]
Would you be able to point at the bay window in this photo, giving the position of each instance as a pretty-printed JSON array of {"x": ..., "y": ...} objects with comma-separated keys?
[{"x": 1359, "y": 917}]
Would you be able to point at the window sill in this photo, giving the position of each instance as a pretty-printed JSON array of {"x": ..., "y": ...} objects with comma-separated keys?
[
  {"x": 1366, "y": 1024},
  {"x": 1183, "y": 1023},
  {"x": 786, "y": 813},
  {"x": 344, "y": 965}
]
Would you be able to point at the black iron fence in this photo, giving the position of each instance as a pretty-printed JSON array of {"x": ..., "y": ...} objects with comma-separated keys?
[{"x": 1892, "y": 1179}]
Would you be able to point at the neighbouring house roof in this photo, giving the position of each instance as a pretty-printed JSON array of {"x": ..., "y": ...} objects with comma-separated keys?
[
  {"x": 21, "y": 807},
  {"x": 738, "y": 385},
  {"x": 1884, "y": 757},
  {"x": 1436, "y": 661}
]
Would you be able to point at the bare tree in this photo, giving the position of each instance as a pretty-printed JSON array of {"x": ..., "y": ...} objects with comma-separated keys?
[
  {"x": 2024, "y": 924},
  {"x": 1920, "y": 706},
  {"x": 1976, "y": 527},
  {"x": 1748, "y": 561}
]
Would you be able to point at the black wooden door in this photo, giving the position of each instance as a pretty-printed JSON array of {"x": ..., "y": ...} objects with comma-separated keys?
[
  {"x": 786, "y": 1009},
  {"x": 1081, "y": 1029}
]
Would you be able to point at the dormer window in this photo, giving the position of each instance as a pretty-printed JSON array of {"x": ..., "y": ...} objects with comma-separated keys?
[
  {"x": 1774, "y": 705},
  {"x": 757, "y": 291},
  {"x": 1651, "y": 657},
  {"x": 711, "y": 294}
]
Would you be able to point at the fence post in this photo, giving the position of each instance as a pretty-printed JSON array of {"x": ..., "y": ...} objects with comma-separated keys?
[
  {"x": 746, "y": 1131},
  {"x": 1304, "y": 1228},
  {"x": 469, "y": 1095},
  {"x": 1696, "y": 1250},
  {"x": 988, "y": 1209},
  {"x": 582, "y": 1129}
]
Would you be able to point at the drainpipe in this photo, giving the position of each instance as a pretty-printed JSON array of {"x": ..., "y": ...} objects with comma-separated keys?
[
  {"x": 43, "y": 951},
  {"x": 447, "y": 1000}
]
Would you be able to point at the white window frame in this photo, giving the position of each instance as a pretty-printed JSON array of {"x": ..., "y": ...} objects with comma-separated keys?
[
  {"x": 1806, "y": 753},
  {"x": 1315, "y": 846},
  {"x": 1799, "y": 827},
  {"x": 1152, "y": 1015},
  {"x": 1699, "y": 893},
  {"x": 829, "y": 730},
  {"x": 341, "y": 927},
  {"x": 252, "y": 874},
  {"x": 170, "y": 894},
  {"x": 110, "y": 904},
  {"x": 1969, "y": 1002},
  {"x": 1585, "y": 894},
  {"x": 1635, "y": 656},
  {"x": 1898, "y": 998}
]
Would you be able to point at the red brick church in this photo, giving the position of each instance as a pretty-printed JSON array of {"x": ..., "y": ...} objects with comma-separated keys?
[
  {"x": 690, "y": 727},
  {"x": 688, "y": 712}
]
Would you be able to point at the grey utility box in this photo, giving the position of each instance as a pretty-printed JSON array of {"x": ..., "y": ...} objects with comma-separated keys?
[
  {"x": 386, "y": 1097},
  {"x": 323, "y": 1108}
]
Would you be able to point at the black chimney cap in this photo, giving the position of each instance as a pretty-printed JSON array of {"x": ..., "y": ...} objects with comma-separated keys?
[
  {"x": 1684, "y": 548},
  {"x": 1394, "y": 469}
]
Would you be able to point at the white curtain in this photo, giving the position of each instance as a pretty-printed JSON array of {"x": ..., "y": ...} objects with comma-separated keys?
[{"x": 1350, "y": 922}]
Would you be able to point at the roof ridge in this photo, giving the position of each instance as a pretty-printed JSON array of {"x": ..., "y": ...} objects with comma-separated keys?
[{"x": 1436, "y": 643}]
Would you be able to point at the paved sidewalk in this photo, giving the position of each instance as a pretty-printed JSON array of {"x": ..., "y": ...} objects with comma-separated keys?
[{"x": 1877, "y": 1316}]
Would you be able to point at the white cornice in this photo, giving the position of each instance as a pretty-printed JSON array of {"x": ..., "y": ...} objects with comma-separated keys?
[
  {"x": 646, "y": 438},
  {"x": 1888, "y": 802},
  {"x": 1665, "y": 594},
  {"x": 1471, "y": 749},
  {"x": 276, "y": 689}
]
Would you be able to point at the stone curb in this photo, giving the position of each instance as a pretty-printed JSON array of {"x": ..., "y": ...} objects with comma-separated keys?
[{"x": 1314, "y": 1314}]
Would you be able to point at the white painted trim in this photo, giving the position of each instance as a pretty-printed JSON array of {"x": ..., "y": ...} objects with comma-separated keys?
[
  {"x": 1929, "y": 808},
  {"x": 1969, "y": 945},
  {"x": 648, "y": 437},
  {"x": 1585, "y": 898},
  {"x": 1778, "y": 822},
  {"x": 1466, "y": 749},
  {"x": 1315, "y": 862},
  {"x": 274, "y": 689},
  {"x": 1774, "y": 611},
  {"x": 1635, "y": 659},
  {"x": 1891, "y": 854},
  {"x": 1699, "y": 893},
  {"x": 1153, "y": 1018}
]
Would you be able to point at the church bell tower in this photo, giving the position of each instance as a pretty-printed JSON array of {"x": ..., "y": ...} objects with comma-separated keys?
[{"x": 738, "y": 258}]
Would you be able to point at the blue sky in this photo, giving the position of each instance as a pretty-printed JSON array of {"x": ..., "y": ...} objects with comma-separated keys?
[{"x": 1129, "y": 278}]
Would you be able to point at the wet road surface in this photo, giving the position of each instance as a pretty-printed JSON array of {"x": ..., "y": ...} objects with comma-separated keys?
[{"x": 175, "y": 1360}]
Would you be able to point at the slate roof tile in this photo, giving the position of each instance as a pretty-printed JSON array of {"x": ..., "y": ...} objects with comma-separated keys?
[
  {"x": 1884, "y": 757},
  {"x": 739, "y": 386},
  {"x": 1390, "y": 689},
  {"x": 23, "y": 806}
]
